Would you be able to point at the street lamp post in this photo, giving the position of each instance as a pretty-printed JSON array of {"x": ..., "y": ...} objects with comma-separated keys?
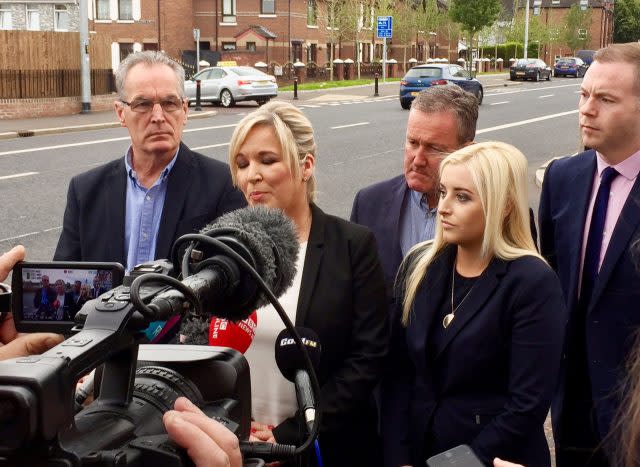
[{"x": 526, "y": 30}]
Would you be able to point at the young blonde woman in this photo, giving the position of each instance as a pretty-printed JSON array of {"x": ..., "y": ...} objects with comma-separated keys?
[
  {"x": 476, "y": 347},
  {"x": 338, "y": 292}
]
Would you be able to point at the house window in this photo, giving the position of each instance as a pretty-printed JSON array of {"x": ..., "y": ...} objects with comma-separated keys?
[
  {"x": 125, "y": 11},
  {"x": 33, "y": 18},
  {"x": 150, "y": 46},
  {"x": 555, "y": 2},
  {"x": 5, "y": 16},
  {"x": 296, "y": 50},
  {"x": 229, "y": 11},
  {"x": 251, "y": 46},
  {"x": 312, "y": 53},
  {"x": 312, "y": 13},
  {"x": 126, "y": 48},
  {"x": 102, "y": 9},
  {"x": 61, "y": 18},
  {"x": 228, "y": 46},
  {"x": 268, "y": 7}
]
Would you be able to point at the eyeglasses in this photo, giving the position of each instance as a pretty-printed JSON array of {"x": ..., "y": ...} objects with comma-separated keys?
[{"x": 169, "y": 104}]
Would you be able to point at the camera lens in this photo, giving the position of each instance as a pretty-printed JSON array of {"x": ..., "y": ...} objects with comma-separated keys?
[{"x": 162, "y": 386}]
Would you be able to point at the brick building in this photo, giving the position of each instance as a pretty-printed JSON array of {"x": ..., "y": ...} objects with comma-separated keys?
[
  {"x": 247, "y": 31},
  {"x": 599, "y": 33}
]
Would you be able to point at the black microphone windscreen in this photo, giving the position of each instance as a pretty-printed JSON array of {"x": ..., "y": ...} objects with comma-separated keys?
[
  {"x": 289, "y": 358},
  {"x": 271, "y": 237}
]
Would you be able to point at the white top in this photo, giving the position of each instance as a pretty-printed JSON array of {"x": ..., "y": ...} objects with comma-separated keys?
[{"x": 273, "y": 398}]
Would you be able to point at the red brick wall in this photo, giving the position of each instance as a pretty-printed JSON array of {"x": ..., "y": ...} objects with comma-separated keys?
[{"x": 30, "y": 108}]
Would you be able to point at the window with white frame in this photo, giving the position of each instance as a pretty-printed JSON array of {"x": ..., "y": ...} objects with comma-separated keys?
[
  {"x": 268, "y": 7},
  {"x": 5, "y": 16},
  {"x": 228, "y": 46},
  {"x": 33, "y": 18},
  {"x": 102, "y": 10},
  {"x": 61, "y": 18},
  {"x": 312, "y": 13},
  {"x": 125, "y": 9},
  {"x": 228, "y": 11}
]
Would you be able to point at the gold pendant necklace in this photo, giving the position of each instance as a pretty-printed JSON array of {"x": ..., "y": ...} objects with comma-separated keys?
[{"x": 448, "y": 318}]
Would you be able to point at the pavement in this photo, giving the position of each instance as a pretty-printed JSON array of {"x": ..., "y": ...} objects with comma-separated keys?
[{"x": 21, "y": 128}]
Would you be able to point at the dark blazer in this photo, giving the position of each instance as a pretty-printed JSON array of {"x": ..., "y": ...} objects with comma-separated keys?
[
  {"x": 378, "y": 207},
  {"x": 342, "y": 298},
  {"x": 490, "y": 382},
  {"x": 37, "y": 299},
  {"x": 199, "y": 190},
  {"x": 612, "y": 317}
]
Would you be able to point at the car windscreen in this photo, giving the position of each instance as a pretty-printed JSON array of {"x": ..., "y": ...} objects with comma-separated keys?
[
  {"x": 424, "y": 73},
  {"x": 525, "y": 62},
  {"x": 246, "y": 71},
  {"x": 566, "y": 62}
]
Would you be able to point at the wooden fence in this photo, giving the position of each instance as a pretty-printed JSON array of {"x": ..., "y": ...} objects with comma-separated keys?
[
  {"x": 34, "y": 84},
  {"x": 49, "y": 50}
]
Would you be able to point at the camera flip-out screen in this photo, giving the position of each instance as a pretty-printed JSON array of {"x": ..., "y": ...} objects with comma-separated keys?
[{"x": 47, "y": 296}]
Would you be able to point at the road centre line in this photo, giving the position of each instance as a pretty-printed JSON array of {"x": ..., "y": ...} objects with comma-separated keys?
[
  {"x": 18, "y": 236},
  {"x": 499, "y": 103},
  {"x": 526, "y": 122},
  {"x": 530, "y": 90},
  {"x": 545, "y": 96},
  {"x": 100, "y": 141},
  {"x": 109, "y": 140},
  {"x": 349, "y": 126},
  {"x": 24, "y": 174}
]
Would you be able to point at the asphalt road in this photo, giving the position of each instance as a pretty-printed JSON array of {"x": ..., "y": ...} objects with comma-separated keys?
[{"x": 360, "y": 141}]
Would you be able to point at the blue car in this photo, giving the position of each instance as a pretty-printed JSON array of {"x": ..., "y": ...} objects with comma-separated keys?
[
  {"x": 570, "y": 66},
  {"x": 424, "y": 76}
]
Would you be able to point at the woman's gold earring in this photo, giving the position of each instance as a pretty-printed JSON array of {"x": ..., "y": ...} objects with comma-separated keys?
[{"x": 305, "y": 179}]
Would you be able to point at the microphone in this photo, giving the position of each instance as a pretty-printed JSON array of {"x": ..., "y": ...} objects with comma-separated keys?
[
  {"x": 264, "y": 237},
  {"x": 291, "y": 363}
]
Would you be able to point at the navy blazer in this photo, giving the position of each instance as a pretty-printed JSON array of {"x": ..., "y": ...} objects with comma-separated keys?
[
  {"x": 199, "y": 190},
  {"x": 612, "y": 317},
  {"x": 491, "y": 381},
  {"x": 342, "y": 299},
  {"x": 379, "y": 207}
]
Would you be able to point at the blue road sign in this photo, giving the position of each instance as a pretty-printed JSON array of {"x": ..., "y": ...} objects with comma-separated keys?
[{"x": 385, "y": 26}]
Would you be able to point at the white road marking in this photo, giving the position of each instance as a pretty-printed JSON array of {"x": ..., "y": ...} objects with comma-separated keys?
[
  {"x": 18, "y": 236},
  {"x": 349, "y": 126},
  {"x": 199, "y": 148},
  {"x": 546, "y": 95},
  {"x": 526, "y": 122},
  {"x": 530, "y": 90},
  {"x": 25, "y": 174},
  {"x": 100, "y": 141},
  {"x": 499, "y": 103}
]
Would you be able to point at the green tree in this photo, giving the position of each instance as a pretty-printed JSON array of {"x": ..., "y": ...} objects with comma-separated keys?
[
  {"x": 627, "y": 21},
  {"x": 473, "y": 15},
  {"x": 576, "y": 31}
]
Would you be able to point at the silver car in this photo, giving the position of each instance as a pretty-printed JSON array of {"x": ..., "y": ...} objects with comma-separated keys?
[{"x": 228, "y": 85}]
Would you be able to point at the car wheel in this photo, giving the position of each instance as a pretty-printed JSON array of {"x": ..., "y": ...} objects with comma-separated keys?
[
  {"x": 479, "y": 95},
  {"x": 537, "y": 77},
  {"x": 226, "y": 99},
  {"x": 512, "y": 78},
  {"x": 549, "y": 77},
  {"x": 262, "y": 102},
  {"x": 405, "y": 104}
]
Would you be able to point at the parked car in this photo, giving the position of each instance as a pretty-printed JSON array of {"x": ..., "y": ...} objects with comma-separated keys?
[
  {"x": 573, "y": 66},
  {"x": 424, "y": 76},
  {"x": 586, "y": 56},
  {"x": 228, "y": 85},
  {"x": 530, "y": 68}
]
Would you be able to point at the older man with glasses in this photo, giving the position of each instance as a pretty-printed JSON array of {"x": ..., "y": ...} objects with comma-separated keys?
[{"x": 131, "y": 210}]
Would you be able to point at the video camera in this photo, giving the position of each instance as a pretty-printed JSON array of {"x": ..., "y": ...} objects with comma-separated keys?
[{"x": 241, "y": 262}]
